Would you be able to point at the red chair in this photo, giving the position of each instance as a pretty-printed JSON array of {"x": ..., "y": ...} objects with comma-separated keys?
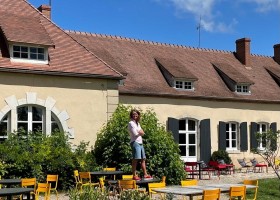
[
  {"x": 259, "y": 165},
  {"x": 218, "y": 167},
  {"x": 192, "y": 169}
]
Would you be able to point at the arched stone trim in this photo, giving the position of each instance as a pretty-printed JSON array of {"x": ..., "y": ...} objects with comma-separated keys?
[{"x": 31, "y": 98}]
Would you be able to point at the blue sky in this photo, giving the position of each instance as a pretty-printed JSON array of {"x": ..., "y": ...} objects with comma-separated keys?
[{"x": 175, "y": 21}]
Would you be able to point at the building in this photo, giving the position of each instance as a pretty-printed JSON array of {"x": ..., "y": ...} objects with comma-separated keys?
[{"x": 209, "y": 99}]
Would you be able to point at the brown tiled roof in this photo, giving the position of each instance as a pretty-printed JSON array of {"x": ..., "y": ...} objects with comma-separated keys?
[
  {"x": 144, "y": 76},
  {"x": 66, "y": 56},
  {"x": 175, "y": 68},
  {"x": 232, "y": 73}
]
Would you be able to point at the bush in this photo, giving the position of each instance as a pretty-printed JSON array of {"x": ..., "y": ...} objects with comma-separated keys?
[
  {"x": 112, "y": 148},
  {"x": 36, "y": 155},
  {"x": 221, "y": 155}
]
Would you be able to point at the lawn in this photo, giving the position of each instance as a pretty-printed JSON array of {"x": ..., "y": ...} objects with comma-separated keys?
[{"x": 268, "y": 189}]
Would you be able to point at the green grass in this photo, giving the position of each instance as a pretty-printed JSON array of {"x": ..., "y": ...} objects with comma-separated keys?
[{"x": 268, "y": 189}]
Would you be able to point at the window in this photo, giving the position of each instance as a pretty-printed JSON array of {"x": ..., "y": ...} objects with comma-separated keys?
[
  {"x": 231, "y": 136},
  {"x": 242, "y": 89},
  {"x": 29, "y": 118},
  {"x": 185, "y": 85},
  {"x": 188, "y": 138},
  {"x": 261, "y": 128}
]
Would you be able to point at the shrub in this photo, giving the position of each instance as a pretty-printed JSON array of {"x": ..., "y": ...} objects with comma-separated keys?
[
  {"x": 112, "y": 148},
  {"x": 221, "y": 154}
]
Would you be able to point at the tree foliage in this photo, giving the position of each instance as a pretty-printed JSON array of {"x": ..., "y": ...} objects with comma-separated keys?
[
  {"x": 112, "y": 147},
  {"x": 271, "y": 139}
]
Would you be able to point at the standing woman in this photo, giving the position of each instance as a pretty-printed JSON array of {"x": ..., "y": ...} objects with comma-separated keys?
[{"x": 136, "y": 143}]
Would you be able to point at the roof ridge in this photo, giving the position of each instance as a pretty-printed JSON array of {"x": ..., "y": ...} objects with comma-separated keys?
[{"x": 146, "y": 41}]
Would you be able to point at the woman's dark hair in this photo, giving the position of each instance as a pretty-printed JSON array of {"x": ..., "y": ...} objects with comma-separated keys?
[{"x": 134, "y": 110}]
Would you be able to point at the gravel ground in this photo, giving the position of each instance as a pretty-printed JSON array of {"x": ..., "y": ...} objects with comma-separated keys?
[{"x": 233, "y": 178}]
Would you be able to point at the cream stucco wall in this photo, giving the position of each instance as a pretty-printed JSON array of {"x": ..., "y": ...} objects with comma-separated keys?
[
  {"x": 88, "y": 102},
  {"x": 214, "y": 110}
]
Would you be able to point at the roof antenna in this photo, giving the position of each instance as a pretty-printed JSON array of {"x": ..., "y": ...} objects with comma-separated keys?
[{"x": 199, "y": 28}]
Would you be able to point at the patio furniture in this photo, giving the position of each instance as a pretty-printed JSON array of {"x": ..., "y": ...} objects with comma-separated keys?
[
  {"x": 206, "y": 169},
  {"x": 211, "y": 194},
  {"x": 53, "y": 180},
  {"x": 255, "y": 190},
  {"x": 237, "y": 191},
  {"x": 229, "y": 167},
  {"x": 10, "y": 182},
  {"x": 259, "y": 165},
  {"x": 151, "y": 186},
  {"x": 110, "y": 169},
  {"x": 189, "y": 182},
  {"x": 85, "y": 179},
  {"x": 219, "y": 167},
  {"x": 28, "y": 183},
  {"x": 192, "y": 169},
  {"x": 10, "y": 192},
  {"x": 244, "y": 165},
  {"x": 127, "y": 177},
  {"x": 43, "y": 188}
]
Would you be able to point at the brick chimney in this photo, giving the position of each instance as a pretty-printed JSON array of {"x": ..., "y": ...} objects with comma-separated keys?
[
  {"x": 45, "y": 10},
  {"x": 277, "y": 53},
  {"x": 243, "y": 53}
]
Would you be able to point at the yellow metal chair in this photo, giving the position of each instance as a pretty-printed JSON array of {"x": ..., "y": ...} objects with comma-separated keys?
[
  {"x": 53, "y": 180},
  {"x": 110, "y": 169},
  {"x": 214, "y": 194},
  {"x": 127, "y": 177},
  {"x": 127, "y": 184},
  {"x": 189, "y": 182},
  {"x": 85, "y": 179},
  {"x": 28, "y": 183},
  {"x": 77, "y": 179},
  {"x": 237, "y": 192},
  {"x": 43, "y": 188},
  {"x": 163, "y": 179},
  {"x": 252, "y": 182},
  {"x": 151, "y": 186}
]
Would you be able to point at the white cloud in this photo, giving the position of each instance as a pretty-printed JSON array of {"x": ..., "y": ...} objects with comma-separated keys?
[{"x": 264, "y": 5}]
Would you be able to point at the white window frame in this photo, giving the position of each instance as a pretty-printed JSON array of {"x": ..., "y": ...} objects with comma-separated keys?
[
  {"x": 184, "y": 85},
  {"x": 28, "y": 60},
  {"x": 260, "y": 130},
  {"x": 230, "y": 133},
  {"x": 242, "y": 89},
  {"x": 187, "y": 132}
]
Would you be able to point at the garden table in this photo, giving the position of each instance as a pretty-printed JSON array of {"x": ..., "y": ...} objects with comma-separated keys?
[
  {"x": 10, "y": 192},
  {"x": 142, "y": 183},
  {"x": 9, "y": 182}
]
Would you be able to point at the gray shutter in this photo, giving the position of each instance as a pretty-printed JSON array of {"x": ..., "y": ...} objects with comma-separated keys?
[
  {"x": 222, "y": 135},
  {"x": 173, "y": 126},
  {"x": 253, "y": 139},
  {"x": 273, "y": 144},
  {"x": 205, "y": 140},
  {"x": 243, "y": 136}
]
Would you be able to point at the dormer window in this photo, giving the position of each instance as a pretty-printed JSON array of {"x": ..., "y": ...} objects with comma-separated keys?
[
  {"x": 242, "y": 89},
  {"x": 28, "y": 54},
  {"x": 185, "y": 85}
]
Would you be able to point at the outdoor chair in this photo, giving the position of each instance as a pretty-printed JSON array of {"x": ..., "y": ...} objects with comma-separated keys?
[
  {"x": 127, "y": 177},
  {"x": 77, "y": 179},
  {"x": 191, "y": 169},
  {"x": 206, "y": 169},
  {"x": 229, "y": 167},
  {"x": 163, "y": 179},
  {"x": 237, "y": 192},
  {"x": 189, "y": 182},
  {"x": 156, "y": 185},
  {"x": 28, "y": 183},
  {"x": 110, "y": 169},
  {"x": 244, "y": 165},
  {"x": 259, "y": 165},
  {"x": 277, "y": 163},
  {"x": 85, "y": 179},
  {"x": 218, "y": 167},
  {"x": 255, "y": 190},
  {"x": 43, "y": 188},
  {"x": 211, "y": 194},
  {"x": 53, "y": 180}
]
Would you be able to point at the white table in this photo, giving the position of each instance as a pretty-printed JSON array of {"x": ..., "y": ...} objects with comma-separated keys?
[{"x": 197, "y": 190}]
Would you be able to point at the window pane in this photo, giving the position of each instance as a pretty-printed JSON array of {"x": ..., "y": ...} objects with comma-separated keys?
[
  {"x": 227, "y": 135},
  {"x": 33, "y": 50},
  {"x": 41, "y": 50},
  {"x": 227, "y": 126},
  {"x": 55, "y": 127},
  {"x": 191, "y": 125},
  {"x": 16, "y": 54},
  {"x": 227, "y": 143},
  {"x": 24, "y": 55},
  {"x": 3, "y": 128},
  {"x": 233, "y": 127},
  {"x": 41, "y": 57},
  {"x": 263, "y": 128},
  {"x": 191, "y": 138},
  {"x": 23, "y": 127},
  {"x": 182, "y": 125},
  {"x": 233, "y": 143},
  {"x": 182, "y": 138},
  {"x": 22, "y": 113},
  {"x": 37, "y": 127},
  {"x": 192, "y": 151},
  {"x": 16, "y": 48},
  {"x": 182, "y": 150},
  {"x": 33, "y": 56},
  {"x": 233, "y": 135},
  {"x": 37, "y": 114}
]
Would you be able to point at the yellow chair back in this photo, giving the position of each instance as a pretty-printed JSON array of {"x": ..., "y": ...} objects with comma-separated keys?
[
  {"x": 237, "y": 191},
  {"x": 155, "y": 185},
  {"x": 211, "y": 194},
  {"x": 189, "y": 182},
  {"x": 252, "y": 182},
  {"x": 77, "y": 179},
  {"x": 127, "y": 184},
  {"x": 127, "y": 177},
  {"x": 52, "y": 180},
  {"x": 109, "y": 169},
  {"x": 29, "y": 182},
  {"x": 43, "y": 188},
  {"x": 163, "y": 179}
]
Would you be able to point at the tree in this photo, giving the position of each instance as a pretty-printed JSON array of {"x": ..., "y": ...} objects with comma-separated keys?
[
  {"x": 271, "y": 141},
  {"x": 112, "y": 148}
]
